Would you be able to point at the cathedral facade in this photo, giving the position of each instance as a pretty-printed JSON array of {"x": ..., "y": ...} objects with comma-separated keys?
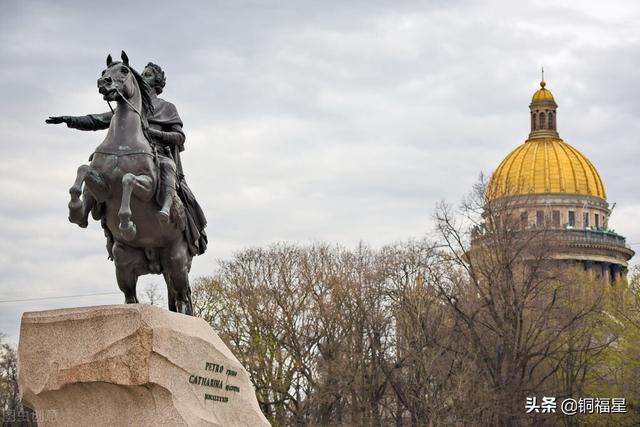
[{"x": 551, "y": 185}]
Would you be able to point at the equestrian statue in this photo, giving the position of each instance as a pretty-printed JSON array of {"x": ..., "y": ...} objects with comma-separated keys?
[{"x": 134, "y": 184}]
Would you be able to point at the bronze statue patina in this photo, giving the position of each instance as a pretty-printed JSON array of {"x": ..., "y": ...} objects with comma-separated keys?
[{"x": 135, "y": 184}]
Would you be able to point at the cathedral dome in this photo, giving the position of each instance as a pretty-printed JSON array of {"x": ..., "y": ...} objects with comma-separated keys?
[
  {"x": 546, "y": 184},
  {"x": 545, "y": 165}
]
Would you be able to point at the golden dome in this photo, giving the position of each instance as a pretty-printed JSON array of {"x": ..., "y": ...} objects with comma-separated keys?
[
  {"x": 542, "y": 94},
  {"x": 545, "y": 165}
]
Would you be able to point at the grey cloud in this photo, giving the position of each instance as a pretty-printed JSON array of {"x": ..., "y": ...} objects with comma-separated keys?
[{"x": 333, "y": 121}]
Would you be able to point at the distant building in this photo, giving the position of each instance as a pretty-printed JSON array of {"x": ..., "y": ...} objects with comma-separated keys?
[{"x": 551, "y": 185}]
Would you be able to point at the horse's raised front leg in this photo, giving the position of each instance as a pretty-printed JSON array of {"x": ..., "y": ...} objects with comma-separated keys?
[
  {"x": 79, "y": 208},
  {"x": 140, "y": 186}
]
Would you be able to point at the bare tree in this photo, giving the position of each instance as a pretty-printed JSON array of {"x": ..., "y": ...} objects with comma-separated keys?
[
  {"x": 152, "y": 295},
  {"x": 522, "y": 312},
  {"x": 419, "y": 333},
  {"x": 615, "y": 371},
  {"x": 11, "y": 410}
]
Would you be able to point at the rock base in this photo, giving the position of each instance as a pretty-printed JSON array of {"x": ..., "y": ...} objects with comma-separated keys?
[{"x": 136, "y": 365}]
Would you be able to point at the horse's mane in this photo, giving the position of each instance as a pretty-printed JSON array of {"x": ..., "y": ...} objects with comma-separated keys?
[{"x": 145, "y": 90}]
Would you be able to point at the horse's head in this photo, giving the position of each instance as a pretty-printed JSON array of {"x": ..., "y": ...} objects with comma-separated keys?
[
  {"x": 120, "y": 82},
  {"x": 117, "y": 80}
]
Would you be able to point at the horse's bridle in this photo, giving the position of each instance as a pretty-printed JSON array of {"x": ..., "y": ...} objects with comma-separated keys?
[{"x": 126, "y": 100}]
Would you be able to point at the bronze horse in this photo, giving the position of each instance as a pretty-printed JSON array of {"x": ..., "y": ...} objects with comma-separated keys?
[{"x": 120, "y": 185}]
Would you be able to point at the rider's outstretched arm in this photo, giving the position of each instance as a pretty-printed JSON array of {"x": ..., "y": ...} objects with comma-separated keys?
[{"x": 88, "y": 122}]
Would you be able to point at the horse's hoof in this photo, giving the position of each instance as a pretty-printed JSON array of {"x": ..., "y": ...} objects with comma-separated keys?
[
  {"x": 184, "y": 307},
  {"x": 75, "y": 204},
  {"x": 163, "y": 217},
  {"x": 75, "y": 214},
  {"x": 75, "y": 211},
  {"x": 77, "y": 219},
  {"x": 128, "y": 231},
  {"x": 131, "y": 300}
]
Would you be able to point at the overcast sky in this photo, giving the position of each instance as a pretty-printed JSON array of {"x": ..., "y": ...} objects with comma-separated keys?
[{"x": 306, "y": 121}]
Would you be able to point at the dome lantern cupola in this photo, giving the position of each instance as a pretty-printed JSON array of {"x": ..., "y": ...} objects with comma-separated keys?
[{"x": 543, "y": 113}]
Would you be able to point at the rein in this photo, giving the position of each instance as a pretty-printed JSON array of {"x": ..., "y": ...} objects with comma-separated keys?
[{"x": 130, "y": 105}]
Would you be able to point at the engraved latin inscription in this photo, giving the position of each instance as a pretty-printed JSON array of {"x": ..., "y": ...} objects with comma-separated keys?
[{"x": 216, "y": 379}]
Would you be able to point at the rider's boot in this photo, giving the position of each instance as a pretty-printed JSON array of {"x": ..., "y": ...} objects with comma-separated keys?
[
  {"x": 167, "y": 191},
  {"x": 167, "y": 199}
]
